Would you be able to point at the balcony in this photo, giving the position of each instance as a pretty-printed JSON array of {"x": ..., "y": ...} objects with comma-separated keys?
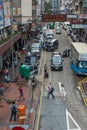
[
  {"x": 34, "y": 2},
  {"x": 84, "y": 3},
  {"x": 9, "y": 41},
  {"x": 80, "y": 1},
  {"x": 71, "y": 1}
]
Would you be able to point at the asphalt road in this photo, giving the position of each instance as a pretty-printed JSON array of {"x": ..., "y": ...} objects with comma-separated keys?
[{"x": 73, "y": 103}]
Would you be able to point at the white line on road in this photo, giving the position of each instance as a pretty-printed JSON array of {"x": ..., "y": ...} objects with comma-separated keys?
[{"x": 68, "y": 117}]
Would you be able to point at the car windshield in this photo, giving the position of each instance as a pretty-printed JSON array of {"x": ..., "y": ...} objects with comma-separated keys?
[
  {"x": 35, "y": 48},
  {"x": 48, "y": 42},
  {"x": 57, "y": 59},
  {"x": 83, "y": 64},
  {"x": 48, "y": 35},
  {"x": 38, "y": 38},
  {"x": 49, "y": 38},
  {"x": 32, "y": 60}
]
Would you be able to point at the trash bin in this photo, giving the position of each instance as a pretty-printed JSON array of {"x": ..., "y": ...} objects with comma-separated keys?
[{"x": 24, "y": 71}]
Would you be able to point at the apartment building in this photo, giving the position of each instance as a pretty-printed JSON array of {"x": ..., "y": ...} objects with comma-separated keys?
[
  {"x": 55, "y": 5},
  {"x": 76, "y": 6}
]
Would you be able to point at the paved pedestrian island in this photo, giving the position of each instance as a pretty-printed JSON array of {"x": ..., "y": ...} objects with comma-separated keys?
[{"x": 55, "y": 116}]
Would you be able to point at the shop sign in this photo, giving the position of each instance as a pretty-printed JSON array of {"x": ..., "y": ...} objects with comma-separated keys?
[
  {"x": 53, "y": 18},
  {"x": 72, "y": 16},
  {"x": 15, "y": 27},
  {"x": 82, "y": 16},
  {"x": 1, "y": 14},
  {"x": 6, "y": 6},
  {"x": 16, "y": 11},
  {"x": 79, "y": 25}
]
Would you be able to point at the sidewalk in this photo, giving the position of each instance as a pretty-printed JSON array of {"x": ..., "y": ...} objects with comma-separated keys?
[
  {"x": 13, "y": 93},
  {"x": 30, "y": 105}
]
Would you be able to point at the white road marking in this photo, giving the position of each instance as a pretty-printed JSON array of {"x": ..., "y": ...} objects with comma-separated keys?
[{"x": 68, "y": 116}]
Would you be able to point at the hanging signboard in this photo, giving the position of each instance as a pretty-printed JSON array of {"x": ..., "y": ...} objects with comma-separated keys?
[
  {"x": 16, "y": 11},
  {"x": 72, "y": 16},
  {"x": 53, "y": 18},
  {"x": 79, "y": 25},
  {"x": 7, "y": 19},
  {"x": 1, "y": 14},
  {"x": 82, "y": 16}
]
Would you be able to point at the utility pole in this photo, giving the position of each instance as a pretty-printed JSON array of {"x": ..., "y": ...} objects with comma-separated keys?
[{"x": 11, "y": 12}]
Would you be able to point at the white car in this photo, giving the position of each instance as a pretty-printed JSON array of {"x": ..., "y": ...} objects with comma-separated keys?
[
  {"x": 49, "y": 34},
  {"x": 58, "y": 30}
]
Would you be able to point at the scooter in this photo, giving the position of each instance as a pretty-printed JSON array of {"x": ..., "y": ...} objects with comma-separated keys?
[{"x": 66, "y": 53}]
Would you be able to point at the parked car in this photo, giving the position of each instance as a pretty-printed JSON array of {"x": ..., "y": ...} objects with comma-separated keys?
[
  {"x": 56, "y": 61},
  {"x": 40, "y": 37},
  {"x": 33, "y": 32},
  {"x": 36, "y": 49},
  {"x": 68, "y": 31},
  {"x": 49, "y": 34},
  {"x": 32, "y": 60}
]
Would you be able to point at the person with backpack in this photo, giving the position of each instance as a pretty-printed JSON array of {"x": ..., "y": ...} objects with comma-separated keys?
[
  {"x": 13, "y": 108},
  {"x": 50, "y": 90}
]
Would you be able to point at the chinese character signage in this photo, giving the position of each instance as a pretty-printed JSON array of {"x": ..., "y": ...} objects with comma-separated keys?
[
  {"x": 72, "y": 16},
  {"x": 7, "y": 19},
  {"x": 82, "y": 16},
  {"x": 53, "y": 18},
  {"x": 1, "y": 14}
]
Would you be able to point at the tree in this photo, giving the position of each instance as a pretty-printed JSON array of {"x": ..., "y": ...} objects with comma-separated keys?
[{"x": 48, "y": 8}]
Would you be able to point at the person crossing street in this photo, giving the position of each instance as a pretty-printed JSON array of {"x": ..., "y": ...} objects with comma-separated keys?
[{"x": 50, "y": 90}]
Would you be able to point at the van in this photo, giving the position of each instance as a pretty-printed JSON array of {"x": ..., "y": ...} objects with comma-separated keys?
[
  {"x": 66, "y": 25},
  {"x": 57, "y": 24},
  {"x": 49, "y": 34},
  {"x": 51, "y": 44},
  {"x": 58, "y": 30},
  {"x": 35, "y": 49}
]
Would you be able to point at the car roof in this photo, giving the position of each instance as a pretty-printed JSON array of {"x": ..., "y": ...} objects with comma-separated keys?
[
  {"x": 35, "y": 44},
  {"x": 53, "y": 40},
  {"x": 56, "y": 53}
]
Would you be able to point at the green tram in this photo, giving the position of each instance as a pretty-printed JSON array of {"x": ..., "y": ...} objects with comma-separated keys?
[{"x": 52, "y": 25}]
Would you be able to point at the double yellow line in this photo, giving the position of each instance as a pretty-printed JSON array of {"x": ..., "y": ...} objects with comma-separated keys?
[{"x": 39, "y": 112}]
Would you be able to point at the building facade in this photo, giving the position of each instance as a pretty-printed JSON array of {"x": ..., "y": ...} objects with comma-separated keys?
[
  {"x": 55, "y": 5},
  {"x": 13, "y": 14}
]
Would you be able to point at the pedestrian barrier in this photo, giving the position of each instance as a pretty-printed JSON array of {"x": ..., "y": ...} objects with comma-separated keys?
[
  {"x": 82, "y": 86},
  {"x": 38, "y": 120},
  {"x": 21, "y": 114}
]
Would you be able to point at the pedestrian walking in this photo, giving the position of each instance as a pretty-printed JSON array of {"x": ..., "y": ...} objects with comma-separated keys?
[
  {"x": 5, "y": 71},
  {"x": 50, "y": 90},
  {"x": 33, "y": 82},
  {"x": 7, "y": 79},
  {"x": 13, "y": 108},
  {"x": 45, "y": 68},
  {"x": 20, "y": 89},
  {"x": 63, "y": 92},
  {"x": 46, "y": 74},
  {"x": 1, "y": 92}
]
